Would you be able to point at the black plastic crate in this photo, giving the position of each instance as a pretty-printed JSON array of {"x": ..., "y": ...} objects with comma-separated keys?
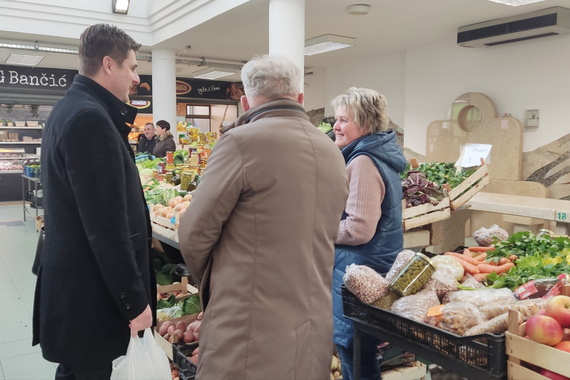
[
  {"x": 180, "y": 354},
  {"x": 185, "y": 374},
  {"x": 481, "y": 356}
]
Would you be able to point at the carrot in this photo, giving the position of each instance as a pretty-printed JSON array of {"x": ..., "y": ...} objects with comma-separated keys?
[
  {"x": 481, "y": 249},
  {"x": 481, "y": 257},
  {"x": 468, "y": 259},
  {"x": 486, "y": 268},
  {"x": 513, "y": 258},
  {"x": 503, "y": 260},
  {"x": 481, "y": 277},
  {"x": 467, "y": 252},
  {"x": 469, "y": 268}
]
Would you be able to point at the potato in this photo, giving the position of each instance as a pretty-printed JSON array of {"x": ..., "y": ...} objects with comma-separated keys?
[
  {"x": 188, "y": 197},
  {"x": 188, "y": 337},
  {"x": 200, "y": 316},
  {"x": 194, "y": 359},
  {"x": 158, "y": 206},
  {"x": 170, "y": 330},
  {"x": 179, "y": 207},
  {"x": 163, "y": 329},
  {"x": 180, "y": 325},
  {"x": 179, "y": 333},
  {"x": 169, "y": 215},
  {"x": 196, "y": 336},
  {"x": 196, "y": 351},
  {"x": 167, "y": 336},
  {"x": 172, "y": 203},
  {"x": 192, "y": 326}
]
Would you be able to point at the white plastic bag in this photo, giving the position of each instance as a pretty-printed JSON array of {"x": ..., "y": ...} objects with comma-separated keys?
[{"x": 144, "y": 360}]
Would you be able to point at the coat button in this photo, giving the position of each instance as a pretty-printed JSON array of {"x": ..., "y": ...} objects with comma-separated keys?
[
  {"x": 124, "y": 111},
  {"x": 122, "y": 296},
  {"x": 128, "y": 306}
]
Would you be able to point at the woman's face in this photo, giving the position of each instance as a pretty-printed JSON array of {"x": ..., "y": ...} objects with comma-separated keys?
[
  {"x": 159, "y": 131},
  {"x": 345, "y": 128}
]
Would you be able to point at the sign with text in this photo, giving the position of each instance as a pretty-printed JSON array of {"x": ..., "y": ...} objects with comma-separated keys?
[
  {"x": 34, "y": 79},
  {"x": 472, "y": 153}
]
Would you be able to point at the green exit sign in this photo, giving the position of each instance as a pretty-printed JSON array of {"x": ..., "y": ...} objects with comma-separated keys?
[{"x": 562, "y": 217}]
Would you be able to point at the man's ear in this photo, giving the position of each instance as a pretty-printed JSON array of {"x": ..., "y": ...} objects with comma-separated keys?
[
  {"x": 107, "y": 64},
  {"x": 301, "y": 98},
  {"x": 244, "y": 103}
]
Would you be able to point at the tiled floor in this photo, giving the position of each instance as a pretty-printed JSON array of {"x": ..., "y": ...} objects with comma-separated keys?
[{"x": 18, "y": 359}]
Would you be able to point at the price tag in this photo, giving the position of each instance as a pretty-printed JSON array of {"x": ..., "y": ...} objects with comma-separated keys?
[
  {"x": 562, "y": 216},
  {"x": 472, "y": 154},
  {"x": 435, "y": 311}
]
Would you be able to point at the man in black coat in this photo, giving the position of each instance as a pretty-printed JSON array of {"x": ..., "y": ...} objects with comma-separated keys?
[
  {"x": 95, "y": 284},
  {"x": 147, "y": 140}
]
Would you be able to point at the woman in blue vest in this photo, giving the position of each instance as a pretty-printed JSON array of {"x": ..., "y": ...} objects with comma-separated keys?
[{"x": 370, "y": 232}]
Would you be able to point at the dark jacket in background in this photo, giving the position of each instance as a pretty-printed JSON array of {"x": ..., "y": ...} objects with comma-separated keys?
[
  {"x": 381, "y": 251},
  {"x": 164, "y": 144},
  {"x": 146, "y": 145},
  {"x": 95, "y": 271}
]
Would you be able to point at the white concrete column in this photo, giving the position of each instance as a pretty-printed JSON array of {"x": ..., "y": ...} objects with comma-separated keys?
[
  {"x": 164, "y": 87},
  {"x": 287, "y": 31}
]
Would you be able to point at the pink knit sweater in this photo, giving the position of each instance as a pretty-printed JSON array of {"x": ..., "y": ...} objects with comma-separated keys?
[{"x": 364, "y": 202}]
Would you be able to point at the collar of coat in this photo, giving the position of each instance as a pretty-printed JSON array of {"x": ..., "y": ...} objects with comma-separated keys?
[
  {"x": 273, "y": 108},
  {"x": 120, "y": 113},
  {"x": 165, "y": 136}
]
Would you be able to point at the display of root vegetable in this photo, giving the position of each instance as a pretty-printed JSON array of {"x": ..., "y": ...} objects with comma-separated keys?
[{"x": 186, "y": 333}]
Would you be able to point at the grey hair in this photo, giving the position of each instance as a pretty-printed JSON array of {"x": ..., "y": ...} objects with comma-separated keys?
[
  {"x": 271, "y": 76},
  {"x": 367, "y": 107}
]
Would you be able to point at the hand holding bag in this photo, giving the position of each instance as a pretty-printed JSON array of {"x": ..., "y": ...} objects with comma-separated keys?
[{"x": 144, "y": 361}]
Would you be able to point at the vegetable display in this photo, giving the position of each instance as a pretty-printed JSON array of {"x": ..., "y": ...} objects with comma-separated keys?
[
  {"x": 440, "y": 173},
  {"x": 417, "y": 190}
]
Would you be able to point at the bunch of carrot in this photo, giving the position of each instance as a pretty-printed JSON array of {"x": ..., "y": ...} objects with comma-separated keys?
[{"x": 473, "y": 261}]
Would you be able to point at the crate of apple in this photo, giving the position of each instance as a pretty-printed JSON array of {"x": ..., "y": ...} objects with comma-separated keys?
[{"x": 550, "y": 327}]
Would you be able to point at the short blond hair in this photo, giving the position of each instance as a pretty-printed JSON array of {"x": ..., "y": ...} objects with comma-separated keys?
[{"x": 368, "y": 108}]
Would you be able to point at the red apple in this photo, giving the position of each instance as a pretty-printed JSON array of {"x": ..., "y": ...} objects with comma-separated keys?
[
  {"x": 558, "y": 307},
  {"x": 541, "y": 312},
  {"x": 564, "y": 346},
  {"x": 544, "y": 329},
  {"x": 553, "y": 375},
  {"x": 566, "y": 334}
]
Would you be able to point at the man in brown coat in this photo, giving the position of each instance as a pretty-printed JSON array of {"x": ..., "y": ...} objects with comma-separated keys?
[{"x": 259, "y": 235}]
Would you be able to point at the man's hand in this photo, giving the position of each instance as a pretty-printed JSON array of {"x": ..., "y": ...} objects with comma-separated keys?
[{"x": 142, "y": 322}]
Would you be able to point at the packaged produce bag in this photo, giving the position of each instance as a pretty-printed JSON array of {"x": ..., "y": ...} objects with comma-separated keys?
[
  {"x": 144, "y": 360},
  {"x": 365, "y": 283}
]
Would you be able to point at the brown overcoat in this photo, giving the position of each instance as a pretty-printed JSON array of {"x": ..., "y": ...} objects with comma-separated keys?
[{"x": 259, "y": 234}]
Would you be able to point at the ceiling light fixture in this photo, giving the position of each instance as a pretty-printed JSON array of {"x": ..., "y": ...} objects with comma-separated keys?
[
  {"x": 213, "y": 73},
  {"x": 358, "y": 9},
  {"x": 17, "y": 46},
  {"x": 515, "y": 3},
  {"x": 326, "y": 43},
  {"x": 24, "y": 59},
  {"x": 121, "y": 6}
]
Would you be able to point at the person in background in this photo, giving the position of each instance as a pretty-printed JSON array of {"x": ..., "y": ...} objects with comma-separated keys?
[
  {"x": 370, "y": 232},
  {"x": 165, "y": 141},
  {"x": 97, "y": 229},
  {"x": 259, "y": 236},
  {"x": 147, "y": 140}
]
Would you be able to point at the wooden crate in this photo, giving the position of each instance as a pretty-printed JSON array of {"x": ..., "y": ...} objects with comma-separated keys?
[
  {"x": 167, "y": 345},
  {"x": 421, "y": 215},
  {"x": 184, "y": 288},
  {"x": 456, "y": 195},
  {"x": 522, "y": 350},
  {"x": 415, "y": 370}
]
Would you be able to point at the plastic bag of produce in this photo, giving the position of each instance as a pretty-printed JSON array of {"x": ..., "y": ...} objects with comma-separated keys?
[
  {"x": 365, "y": 283},
  {"x": 449, "y": 264},
  {"x": 480, "y": 297},
  {"x": 144, "y": 360},
  {"x": 485, "y": 236},
  {"x": 387, "y": 301},
  {"x": 442, "y": 282},
  {"x": 497, "y": 325},
  {"x": 527, "y": 308},
  {"x": 458, "y": 317},
  {"x": 169, "y": 313},
  {"x": 401, "y": 261},
  {"x": 416, "y": 306},
  {"x": 470, "y": 282}
]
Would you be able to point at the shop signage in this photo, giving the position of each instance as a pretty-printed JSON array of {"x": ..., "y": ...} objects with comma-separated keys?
[
  {"x": 35, "y": 79},
  {"x": 182, "y": 88},
  {"x": 139, "y": 104}
]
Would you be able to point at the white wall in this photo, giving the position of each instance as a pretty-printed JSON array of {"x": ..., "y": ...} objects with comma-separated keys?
[
  {"x": 385, "y": 75},
  {"x": 315, "y": 90},
  {"x": 519, "y": 76}
]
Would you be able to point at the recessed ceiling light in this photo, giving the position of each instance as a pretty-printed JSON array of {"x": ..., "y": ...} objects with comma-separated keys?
[
  {"x": 121, "y": 6},
  {"x": 213, "y": 73},
  {"x": 515, "y": 3},
  {"x": 358, "y": 9},
  {"x": 24, "y": 60},
  {"x": 326, "y": 43}
]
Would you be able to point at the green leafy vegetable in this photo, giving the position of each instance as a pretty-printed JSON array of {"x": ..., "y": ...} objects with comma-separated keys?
[
  {"x": 191, "y": 305},
  {"x": 440, "y": 173},
  {"x": 165, "y": 304},
  {"x": 163, "y": 278}
]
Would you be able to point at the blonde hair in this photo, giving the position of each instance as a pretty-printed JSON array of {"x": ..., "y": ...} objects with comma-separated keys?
[
  {"x": 271, "y": 76},
  {"x": 367, "y": 107}
]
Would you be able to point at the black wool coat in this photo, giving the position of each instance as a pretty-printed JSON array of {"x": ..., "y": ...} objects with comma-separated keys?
[{"x": 95, "y": 271}]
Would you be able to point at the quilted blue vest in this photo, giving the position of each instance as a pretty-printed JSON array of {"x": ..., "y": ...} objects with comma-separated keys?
[{"x": 380, "y": 252}]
